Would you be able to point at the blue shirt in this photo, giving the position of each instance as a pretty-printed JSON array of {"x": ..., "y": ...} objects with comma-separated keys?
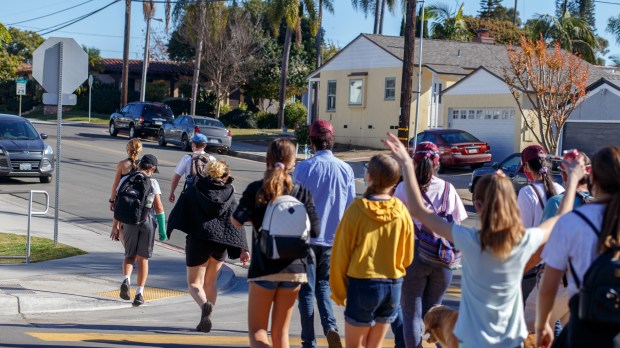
[
  {"x": 332, "y": 184},
  {"x": 553, "y": 204}
]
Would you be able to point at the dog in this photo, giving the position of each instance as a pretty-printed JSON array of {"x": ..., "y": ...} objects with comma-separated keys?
[{"x": 439, "y": 324}]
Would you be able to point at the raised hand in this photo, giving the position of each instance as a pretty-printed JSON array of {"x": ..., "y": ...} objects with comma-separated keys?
[{"x": 399, "y": 151}]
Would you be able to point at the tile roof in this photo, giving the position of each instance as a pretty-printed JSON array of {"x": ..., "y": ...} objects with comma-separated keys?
[
  {"x": 460, "y": 58},
  {"x": 135, "y": 66}
]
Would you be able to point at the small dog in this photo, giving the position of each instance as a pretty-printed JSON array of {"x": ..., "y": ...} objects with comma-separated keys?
[{"x": 439, "y": 324}]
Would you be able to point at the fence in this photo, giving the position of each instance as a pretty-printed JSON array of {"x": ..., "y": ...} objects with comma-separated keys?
[{"x": 30, "y": 214}]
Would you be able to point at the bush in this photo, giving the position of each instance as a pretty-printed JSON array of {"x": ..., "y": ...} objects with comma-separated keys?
[
  {"x": 156, "y": 91},
  {"x": 302, "y": 134},
  {"x": 266, "y": 120},
  {"x": 239, "y": 119},
  {"x": 225, "y": 108},
  {"x": 182, "y": 106},
  {"x": 295, "y": 114}
]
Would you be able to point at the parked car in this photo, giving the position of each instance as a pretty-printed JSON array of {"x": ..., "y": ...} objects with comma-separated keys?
[
  {"x": 23, "y": 153},
  {"x": 140, "y": 119},
  {"x": 457, "y": 148},
  {"x": 509, "y": 166},
  {"x": 183, "y": 128}
]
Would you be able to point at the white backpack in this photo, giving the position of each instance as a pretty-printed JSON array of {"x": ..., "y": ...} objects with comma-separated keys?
[{"x": 285, "y": 229}]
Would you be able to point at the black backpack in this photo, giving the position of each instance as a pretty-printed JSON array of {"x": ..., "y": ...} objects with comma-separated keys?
[
  {"x": 129, "y": 205},
  {"x": 599, "y": 294}
]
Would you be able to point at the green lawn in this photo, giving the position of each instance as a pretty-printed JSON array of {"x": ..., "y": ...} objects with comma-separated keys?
[
  {"x": 41, "y": 249},
  {"x": 71, "y": 116},
  {"x": 255, "y": 134}
]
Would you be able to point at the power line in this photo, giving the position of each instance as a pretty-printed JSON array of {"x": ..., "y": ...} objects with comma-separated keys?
[
  {"x": 53, "y": 13},
  {"x": 57, "y": 27},
  {"x": 607, "y": 2},
  {"x": 80, "y": 33}
]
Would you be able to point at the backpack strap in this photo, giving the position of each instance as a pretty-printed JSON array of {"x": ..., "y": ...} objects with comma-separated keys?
[
  {"x": 446, "y": 196},
  {"x": 595, "y": 230},
  {"x": 542, "y": 203},
  {"x": 295, "y": 190}
]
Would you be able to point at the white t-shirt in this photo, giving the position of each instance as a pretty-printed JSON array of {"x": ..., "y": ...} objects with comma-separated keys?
[
  {"x": 572, "y": 238},
  {"x": 184, "y": 167},
  {"x": 435, "y": 195},
  {"x": 491, "y": 309},
  {"x": 529, "y": 205}
]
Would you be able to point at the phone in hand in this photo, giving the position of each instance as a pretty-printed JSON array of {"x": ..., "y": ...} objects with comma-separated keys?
[{"x": 570, "y": 154}]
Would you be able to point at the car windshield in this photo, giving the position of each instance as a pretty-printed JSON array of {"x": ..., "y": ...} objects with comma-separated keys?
[
  {"x": 206, "y": 122},
  {"x": 160, "y": 111},
  {"x": 458, "y": 137},
  {"x": 18, "y": 130}
]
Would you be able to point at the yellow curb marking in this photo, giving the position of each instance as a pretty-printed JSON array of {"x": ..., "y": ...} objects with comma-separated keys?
[
  {"x": 164, "y": 339},
  {"x": 149, "y": 293}
]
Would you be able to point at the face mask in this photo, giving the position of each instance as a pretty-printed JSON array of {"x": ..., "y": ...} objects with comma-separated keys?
[{"x": 528, "y": 175}]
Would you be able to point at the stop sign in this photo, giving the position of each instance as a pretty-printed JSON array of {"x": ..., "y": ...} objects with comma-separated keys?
[{"x": 45, "y": 66}]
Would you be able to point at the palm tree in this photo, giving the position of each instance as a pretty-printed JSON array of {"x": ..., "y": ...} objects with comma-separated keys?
[
  {"x": 289, "y": 11},
  {"x": 573, "y": 33},
  {"x": 613, "y": 26},
  {"x": 94, "y": 59},
  {"x": 391, "y": 5},
  {"x": 448, "y": 24},
  {"x": 377, "y": 8},
  {"x": 329, "y": 7}
]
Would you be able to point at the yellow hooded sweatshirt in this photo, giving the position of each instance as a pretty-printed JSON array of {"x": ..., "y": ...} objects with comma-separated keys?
[{"x": 374, "y": 240}]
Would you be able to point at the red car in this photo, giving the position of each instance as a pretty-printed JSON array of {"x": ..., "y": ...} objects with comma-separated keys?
[{"x": 457, "y": 148}]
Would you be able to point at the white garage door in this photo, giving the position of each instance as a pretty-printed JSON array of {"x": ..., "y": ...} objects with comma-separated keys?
[{"x": 494, "y": 126}]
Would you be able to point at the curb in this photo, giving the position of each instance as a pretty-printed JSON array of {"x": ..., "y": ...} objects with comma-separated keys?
[
  {"x": 80, "y": 124},
  {"x": 245, "y": 155}
]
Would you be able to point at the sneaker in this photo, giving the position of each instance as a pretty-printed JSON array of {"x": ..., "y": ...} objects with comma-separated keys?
[
  {"x": 333, "y": 338},
  {"x": 124, "y": 294},
  {"x": 138, "y": 300},
  {"x": 205, "y": 319}
]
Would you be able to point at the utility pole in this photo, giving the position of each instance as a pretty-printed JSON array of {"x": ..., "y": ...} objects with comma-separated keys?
[
  {"x": 125, "y": 76},
  {"x": 407, "y": 82},
  {"x": 145, "y": 61},
  {"x": 514, "y": 14},
  {"x": 195, "y": 79}
]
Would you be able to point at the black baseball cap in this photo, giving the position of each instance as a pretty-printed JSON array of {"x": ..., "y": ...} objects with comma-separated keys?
[{"x": 150, "y": 159}]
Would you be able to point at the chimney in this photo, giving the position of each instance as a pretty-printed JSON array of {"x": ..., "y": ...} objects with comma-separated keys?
[{"x": 482, "y": 36}]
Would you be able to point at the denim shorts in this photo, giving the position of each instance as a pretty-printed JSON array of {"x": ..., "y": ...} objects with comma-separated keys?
[
  {"x": 275, "y": 285},
  {"x": 371, "y": 301}
]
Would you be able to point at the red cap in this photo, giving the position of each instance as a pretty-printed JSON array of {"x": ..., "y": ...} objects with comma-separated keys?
[
  {"x": 320, "y": 127},
  {"x": 426, "y": 149},
  {"x": 531, "y": 152}
]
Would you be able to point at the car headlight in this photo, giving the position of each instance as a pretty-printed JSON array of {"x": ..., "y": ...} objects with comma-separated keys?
[
  {"x": 3, "y": 152},
  {"x": 48, "y": 150}
]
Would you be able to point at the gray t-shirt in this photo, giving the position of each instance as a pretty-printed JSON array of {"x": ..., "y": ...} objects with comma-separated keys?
[{"x": 491, "y": 309}]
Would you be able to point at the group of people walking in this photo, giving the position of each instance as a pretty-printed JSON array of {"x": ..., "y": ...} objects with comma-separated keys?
[{"x": 388, "y": 256}]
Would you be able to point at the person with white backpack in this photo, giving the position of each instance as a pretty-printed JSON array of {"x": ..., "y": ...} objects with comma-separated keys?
[{"x": 283, "y": 218}]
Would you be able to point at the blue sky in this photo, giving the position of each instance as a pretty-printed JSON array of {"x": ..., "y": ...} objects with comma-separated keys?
[{"x": 104, "y": 30}]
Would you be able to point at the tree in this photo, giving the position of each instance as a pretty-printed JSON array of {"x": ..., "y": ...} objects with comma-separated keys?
[
  {"x": 232, "y": 55},
  {"x": 329, "y": 6},
  {"x": 613, "y": 26},
  {"x": 94, "y": 59},
  {"x": 448, "y": 24},
  {"x": 290, "y": 12},
  {"x": 551, "y": 82},
  {"x": 502, "y": 31},
  {"x": 22, "y": 43},
  {"x": 571, "y": 32},
  {"x": 488, "y": 8},
  {"x": 8, "y": 62},
  {"x": 579, "y": 8}
]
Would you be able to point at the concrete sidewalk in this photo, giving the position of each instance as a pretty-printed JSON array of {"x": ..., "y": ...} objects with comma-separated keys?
[{"x": 88, "y": 281}]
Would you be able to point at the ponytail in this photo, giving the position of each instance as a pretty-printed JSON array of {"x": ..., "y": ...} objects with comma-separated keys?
[
  {"x": 134, "y": 147},
  {"x": 277, "y": 180},
  {"x": 541, "y": 166},
  {"x": 424, "y": 170}
]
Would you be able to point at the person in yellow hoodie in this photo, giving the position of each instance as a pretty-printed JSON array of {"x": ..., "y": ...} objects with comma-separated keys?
[{"x": 372, "y": 247}]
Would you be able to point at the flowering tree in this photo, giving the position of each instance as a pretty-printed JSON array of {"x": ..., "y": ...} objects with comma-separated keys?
[{"x": 547, "y": 83}]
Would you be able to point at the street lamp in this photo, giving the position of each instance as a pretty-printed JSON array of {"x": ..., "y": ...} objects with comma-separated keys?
[{"x": 145, "y": 62}]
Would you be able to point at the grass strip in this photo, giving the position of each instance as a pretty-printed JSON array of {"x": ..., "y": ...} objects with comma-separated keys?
[{"x": 41, "y": 249}]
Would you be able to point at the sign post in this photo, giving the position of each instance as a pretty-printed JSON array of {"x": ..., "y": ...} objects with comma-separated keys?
[
  {"x": 90, "y": 88},
  {"x": 20, "y": 90},
  {"x": 59, "y": 65}
]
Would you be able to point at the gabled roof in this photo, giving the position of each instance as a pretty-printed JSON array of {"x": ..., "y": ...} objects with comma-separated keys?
[
  {"x": 455, "y": 57},
  {"x": 115, "y": 65}
]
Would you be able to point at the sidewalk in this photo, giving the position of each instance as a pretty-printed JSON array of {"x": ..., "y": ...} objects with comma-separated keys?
[{"x": 88, "y": 281}]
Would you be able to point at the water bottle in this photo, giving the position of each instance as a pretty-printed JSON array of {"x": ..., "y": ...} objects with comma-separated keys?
[{"x": 149, "y": 200}]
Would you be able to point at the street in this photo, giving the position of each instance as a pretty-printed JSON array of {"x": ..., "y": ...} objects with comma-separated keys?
[{"x": 89, "y": 158}]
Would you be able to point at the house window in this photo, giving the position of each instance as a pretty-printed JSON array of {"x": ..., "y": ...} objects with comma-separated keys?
[
  {"x": 482, "y": 114},
  {"x": 390, "y": 88},
  {"x": 356, "y": 91},
  {"x": 455, "y": 114},
  {"x": 331, "y": 95}
]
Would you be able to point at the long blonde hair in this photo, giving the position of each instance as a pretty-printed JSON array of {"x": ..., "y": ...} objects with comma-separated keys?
[
  {"x": 277, "y": 180},
  {"x": 134, "y": 147},
  {"x": 500, "y": 218}
]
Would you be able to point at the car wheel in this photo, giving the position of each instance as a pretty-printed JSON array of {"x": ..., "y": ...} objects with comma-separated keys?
[
  {"x": 161, "y": 140},
  {"x": 222, "y": 150},
  {"x": 45, "y": 179},
  {"x": 132, "y": 131},
  {"x": 113, "y": 130},
  {"x": 476, "y": 166},
  {"x": 185, "y": 145}
]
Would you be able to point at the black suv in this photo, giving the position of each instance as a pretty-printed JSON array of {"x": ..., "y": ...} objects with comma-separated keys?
[{"x": 140, "y": 119}]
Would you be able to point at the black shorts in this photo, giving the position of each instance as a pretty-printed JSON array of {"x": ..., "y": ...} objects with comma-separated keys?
[{"x": 198, "y": 251}]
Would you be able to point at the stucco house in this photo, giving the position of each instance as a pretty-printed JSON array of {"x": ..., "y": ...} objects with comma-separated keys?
[{"x": 461, "y": 87}]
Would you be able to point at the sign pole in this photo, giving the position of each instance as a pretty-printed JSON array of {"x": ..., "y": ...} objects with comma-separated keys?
[
  {"x": 90, "y": 87},
  {"x": 58, "y": 137},
  {"x": 20, "y": 105}
]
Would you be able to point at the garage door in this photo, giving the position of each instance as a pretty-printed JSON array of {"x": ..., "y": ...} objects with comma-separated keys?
[
  {"x": 494, "y": 126},
  {"x": 590, "y": 137}
]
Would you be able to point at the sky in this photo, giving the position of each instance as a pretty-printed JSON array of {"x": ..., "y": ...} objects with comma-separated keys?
[{"x": 104, "y": 30}]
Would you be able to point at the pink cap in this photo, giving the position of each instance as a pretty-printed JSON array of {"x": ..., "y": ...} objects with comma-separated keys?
[{"x": 320, "y": 127}]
